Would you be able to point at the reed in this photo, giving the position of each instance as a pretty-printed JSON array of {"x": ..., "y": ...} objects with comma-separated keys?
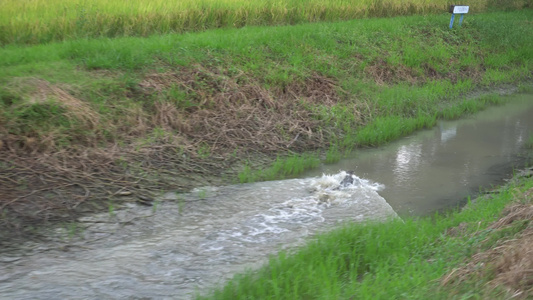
[{"x": 38, "y": 21}]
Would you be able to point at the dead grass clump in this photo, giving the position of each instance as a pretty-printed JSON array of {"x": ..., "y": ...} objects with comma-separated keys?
[
  {"x": 17, "y": 143},
  {"x": 196, "y": 82},
  {"x": 513, "y": 265},
  {"x": 316, "y": 90},
  {"x": 33, "y": 126},
  {"x": 430, "y": 72},
  {"x": 76, "y": 109},
  {"x": 167, "y": 116},
  {"x": 474, "y": 73},
  {"x": 513, "y": 213},
  {"x": 226, "y": 114},
  {"x": 384, "y": 73},
  {"x": 49, "y": 186},
  {"x": 261, "y": 124},
  {"x": 508, "y": 265},
  {"x": 159, "y": 82}
]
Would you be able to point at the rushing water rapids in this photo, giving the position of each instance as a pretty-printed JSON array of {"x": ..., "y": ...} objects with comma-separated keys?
[{"x": 191, "y": 242}]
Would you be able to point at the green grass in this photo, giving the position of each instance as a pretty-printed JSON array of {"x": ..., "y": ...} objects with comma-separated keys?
[
  {"x": 386, "y": 129},
  {"x": 281, "y": 168},
  {"x": 529, "y": 142},
  {"x": 469, "y": 106},
  {"x": 38, "y": 21},
  {"x": 396, "y": 259},
  {"x": 333, "y": 154}
]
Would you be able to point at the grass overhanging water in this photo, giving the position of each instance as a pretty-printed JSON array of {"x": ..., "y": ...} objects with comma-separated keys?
[{"x": 414, "y": 258}]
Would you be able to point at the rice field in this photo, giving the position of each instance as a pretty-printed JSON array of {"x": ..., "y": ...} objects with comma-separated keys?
[{"x": 39, "y": 21}]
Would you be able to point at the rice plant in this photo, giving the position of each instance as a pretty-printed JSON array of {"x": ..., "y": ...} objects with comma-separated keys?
[{"x": 37, "y": 21}]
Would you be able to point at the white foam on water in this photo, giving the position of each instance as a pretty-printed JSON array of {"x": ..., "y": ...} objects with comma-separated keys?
[
  {"x": 229, "y": 229},
  {"x": 325, "y": 192}
]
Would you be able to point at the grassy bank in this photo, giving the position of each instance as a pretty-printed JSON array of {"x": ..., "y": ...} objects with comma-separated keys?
[
  {"x": 480, "y": 252},
  {"x": 38, "y": 21},
  {"x": 85, "y": 120}
]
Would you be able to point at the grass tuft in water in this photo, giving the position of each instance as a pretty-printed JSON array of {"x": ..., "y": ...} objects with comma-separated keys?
[
  {"x": 529, "y": 142},
  {"x": 281, "y": 168}
]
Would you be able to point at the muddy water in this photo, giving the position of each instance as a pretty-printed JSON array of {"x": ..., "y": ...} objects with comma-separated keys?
[
  {"x": 188, "y": 242},
  {"x": 438, "y": 168},
  {"x": 191, "y": 242}
]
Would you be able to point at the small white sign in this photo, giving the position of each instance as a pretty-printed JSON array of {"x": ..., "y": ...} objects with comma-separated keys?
[{"x": 461, "y": 9}]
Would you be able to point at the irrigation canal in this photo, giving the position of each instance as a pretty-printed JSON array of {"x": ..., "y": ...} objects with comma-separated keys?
[{"x": 197, "y": 240}]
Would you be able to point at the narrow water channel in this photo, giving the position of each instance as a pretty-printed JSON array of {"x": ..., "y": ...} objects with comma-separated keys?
[
  {"x": 191, "y": 242},
  {"x": 439, "y": 168}
]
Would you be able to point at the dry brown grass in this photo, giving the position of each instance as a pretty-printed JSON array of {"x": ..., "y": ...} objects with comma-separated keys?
[
  {"x": 38, "y": 91},
  {"x": 227, "y": 114},
  {"x": 77, "y": 109},
  {"x": 509, "y": 265},
  {"x": 513, "y": 265},
  {"x": 384, "y": 73}
]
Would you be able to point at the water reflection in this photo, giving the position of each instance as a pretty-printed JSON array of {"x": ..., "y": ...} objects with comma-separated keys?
[
  {"x": 447, "y": 133},
  {"x": 408, "y": 159}
]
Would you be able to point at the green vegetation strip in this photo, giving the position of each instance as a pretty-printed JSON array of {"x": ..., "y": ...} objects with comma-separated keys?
[
  {"x": 417, "y": 258},
  {"x": 38, "y": 21}
]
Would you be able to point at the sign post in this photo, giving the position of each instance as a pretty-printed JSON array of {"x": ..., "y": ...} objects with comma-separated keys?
[{"x": 460, "y": 10}]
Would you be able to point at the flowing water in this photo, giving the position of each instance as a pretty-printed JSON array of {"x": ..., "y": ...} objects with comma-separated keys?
[
  {"x": 438, "y": 168},
  {"x": 192, "y": 242}
]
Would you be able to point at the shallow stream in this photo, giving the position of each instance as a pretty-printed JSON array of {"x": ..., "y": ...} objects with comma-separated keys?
[{"x": 192, "y": 242}]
